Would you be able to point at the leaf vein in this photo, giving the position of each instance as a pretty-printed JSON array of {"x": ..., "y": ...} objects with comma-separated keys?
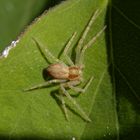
[
  {"x": 94, "y": 95},
  {"x": 113, "y": 71},
  {"x": 127, "y": 18}
]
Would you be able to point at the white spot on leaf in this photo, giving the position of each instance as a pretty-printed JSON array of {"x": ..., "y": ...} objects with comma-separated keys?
[{"x": 5, "y": 52}]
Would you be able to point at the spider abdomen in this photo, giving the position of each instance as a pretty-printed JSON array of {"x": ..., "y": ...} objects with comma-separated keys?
[{"x": 58, "y": 71}]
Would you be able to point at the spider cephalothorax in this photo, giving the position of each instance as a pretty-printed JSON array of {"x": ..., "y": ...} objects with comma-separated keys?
[{"x": 70, "y": 75}]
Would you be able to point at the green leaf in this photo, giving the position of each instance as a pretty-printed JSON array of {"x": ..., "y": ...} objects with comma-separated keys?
[
  {"x": 37, "y": 114},
  {"x": 15, "y": 15}
]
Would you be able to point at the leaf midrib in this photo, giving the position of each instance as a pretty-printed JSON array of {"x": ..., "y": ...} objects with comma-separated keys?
[{"x": 113, "y": 70}]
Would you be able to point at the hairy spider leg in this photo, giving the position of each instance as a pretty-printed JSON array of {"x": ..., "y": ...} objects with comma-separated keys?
[
  {"x": 47, "y": 83},
  {"x": 65, "y": 52},
  {"x": 74, "y": 103},
  {"x": 78, "y": 89},
  {"x": 86, "y": 30},
  {"x": 91, "y": 42},
  {"x": 49, "y": 54}
]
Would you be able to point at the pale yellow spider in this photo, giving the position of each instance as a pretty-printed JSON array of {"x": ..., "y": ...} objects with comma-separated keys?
[{"x": 70, "y": 75}]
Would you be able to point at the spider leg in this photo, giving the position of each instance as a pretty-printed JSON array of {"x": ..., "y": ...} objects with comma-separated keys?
[
  {"x": 55, "y": 81},
  {"x": 61, "y": 98},
  {"x": 87, "y": 28},
  {"x": 74, "y": 103},
  {"x": 65, "y": 52},
  {"x": 48, "y": 53},
  {"x": 81, "y": 55},
  {"x": 81, "y": 90},
  {"x": 53, "y": 57}
]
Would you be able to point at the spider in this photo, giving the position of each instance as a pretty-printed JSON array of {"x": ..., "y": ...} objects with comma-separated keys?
[{"x": 69, "y": 76}]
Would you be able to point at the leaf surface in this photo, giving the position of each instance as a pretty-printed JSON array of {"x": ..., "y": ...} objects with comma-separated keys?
[{"x": 37, "y": 114}]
